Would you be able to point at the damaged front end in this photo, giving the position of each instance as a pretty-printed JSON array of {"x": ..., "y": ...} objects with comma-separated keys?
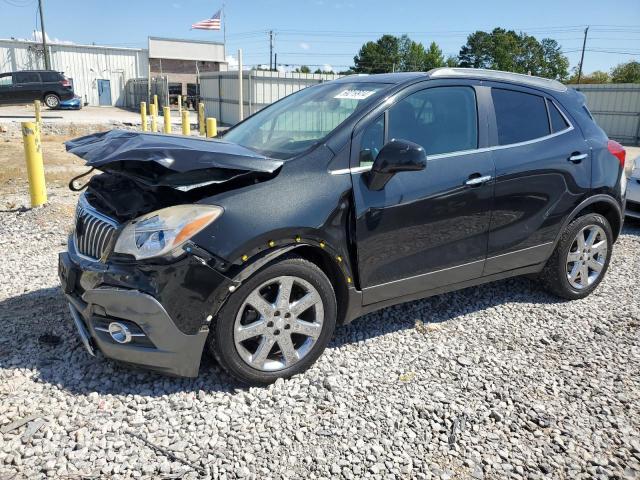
[{"x": 139, "y": 289}]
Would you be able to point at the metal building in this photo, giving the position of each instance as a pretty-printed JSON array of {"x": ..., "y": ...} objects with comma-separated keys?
[{"x": 99, "y": 73}]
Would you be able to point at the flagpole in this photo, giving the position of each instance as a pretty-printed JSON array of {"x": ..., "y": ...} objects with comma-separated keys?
[{"x": 224, "y": 28}]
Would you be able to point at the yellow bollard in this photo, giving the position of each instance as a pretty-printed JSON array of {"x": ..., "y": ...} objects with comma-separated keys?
[
  {"x": 155, "y": 102},
  {"x": 186, "y": 127},
  {"x": 154, "y": 117},
  {"x": 166, "y": 112},
  {"x": 212, "y": 127},
  {"x": 180, "y": 105},
  {"x": 143, "y": 116},
  {"x": 36, "y": 106},
  {"x": 35, "y": 166},
  {"x": 201, "y": 123}
]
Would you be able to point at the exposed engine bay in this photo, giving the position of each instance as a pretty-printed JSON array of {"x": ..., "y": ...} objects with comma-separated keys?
[{"x": 143, "y": 172}]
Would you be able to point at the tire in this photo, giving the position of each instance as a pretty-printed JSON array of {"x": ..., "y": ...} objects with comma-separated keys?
[
  {"x": 307, "y": 330},
  {"x": 51, "y": 100},
  {"x": 559, "y": 274}
]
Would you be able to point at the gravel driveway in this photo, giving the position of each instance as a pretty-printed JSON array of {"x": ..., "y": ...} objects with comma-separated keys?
[{"x": 499, "y": 381}]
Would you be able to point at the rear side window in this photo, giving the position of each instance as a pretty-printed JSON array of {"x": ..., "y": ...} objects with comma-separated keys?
[
  {"x": 519, "y": 116},
  {"x": 50, "y": 76},
  {"x": 6, "y": 80},
  {"x": 27, "y": 77},
  {"x": 558, "y": 123}
]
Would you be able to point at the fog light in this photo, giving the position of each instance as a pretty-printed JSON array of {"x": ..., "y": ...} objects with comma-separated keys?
[{"x": 119, "y": 332}]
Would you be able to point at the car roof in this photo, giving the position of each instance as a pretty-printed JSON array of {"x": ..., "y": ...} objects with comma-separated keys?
[{"x": 471, "y": 73}]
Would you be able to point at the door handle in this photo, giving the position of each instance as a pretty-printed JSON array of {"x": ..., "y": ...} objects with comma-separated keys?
[
  {"x": 475, "y": 181},
  {"x": 577, "y": 157}
]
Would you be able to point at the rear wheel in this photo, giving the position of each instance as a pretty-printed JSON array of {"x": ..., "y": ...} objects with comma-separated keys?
[
  {"x": 276, "y": 324},
  {"x": 51, "y": 100},
  {"x": 581, "y": 258}
]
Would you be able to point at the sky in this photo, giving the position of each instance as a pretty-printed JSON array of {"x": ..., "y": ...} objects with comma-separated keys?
[{"x": 327, "y": 34}]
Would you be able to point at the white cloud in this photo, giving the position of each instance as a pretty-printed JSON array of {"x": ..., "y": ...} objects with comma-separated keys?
[
  {"x": 304, "y": 45},
  {"x": 327, "y": 68},
  {"x": 37, "y": 37}
]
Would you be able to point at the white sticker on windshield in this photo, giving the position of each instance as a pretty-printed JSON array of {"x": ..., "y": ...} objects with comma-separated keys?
[{"x": 355, "y": 94}]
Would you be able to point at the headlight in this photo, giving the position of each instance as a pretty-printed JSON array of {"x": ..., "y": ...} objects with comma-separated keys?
[{"x": 163, "y": 231}]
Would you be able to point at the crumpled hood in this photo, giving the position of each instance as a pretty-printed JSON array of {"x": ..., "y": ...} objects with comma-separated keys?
[{"x": 161, "y": 159}]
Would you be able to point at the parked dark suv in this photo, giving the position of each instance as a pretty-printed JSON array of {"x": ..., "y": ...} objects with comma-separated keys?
[
  {"x": 24, "y": 87},
  {"x": 338, "y": 200}
]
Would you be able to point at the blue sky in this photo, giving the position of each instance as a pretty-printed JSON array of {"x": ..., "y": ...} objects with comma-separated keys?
[{"x": 330, "y": 32}]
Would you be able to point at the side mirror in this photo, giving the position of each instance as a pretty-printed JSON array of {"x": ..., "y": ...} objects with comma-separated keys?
[{"x": 396, "y": 156}]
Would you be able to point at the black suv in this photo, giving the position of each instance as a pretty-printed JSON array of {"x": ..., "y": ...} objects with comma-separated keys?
[
  {"x": 335, "y": 201},
  {"x": 24, "y": 87}
]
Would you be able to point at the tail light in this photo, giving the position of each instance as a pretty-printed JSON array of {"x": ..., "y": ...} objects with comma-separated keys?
[
  {"x": 617, "y": 151},
  {"x": 65, "y": 83}
]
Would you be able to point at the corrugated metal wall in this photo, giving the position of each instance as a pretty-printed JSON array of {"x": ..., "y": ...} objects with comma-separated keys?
[
  {"x": 219, "y": 91},
  {"x": 616, "y": 108},
  {"x": 84, "y": 63}
]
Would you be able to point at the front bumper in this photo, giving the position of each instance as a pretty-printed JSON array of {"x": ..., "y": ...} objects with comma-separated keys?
[
  {"x": 632, "y": 208},
  {"x": 168, "y": 307}
]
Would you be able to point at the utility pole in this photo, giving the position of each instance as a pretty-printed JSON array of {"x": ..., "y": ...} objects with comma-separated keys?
[
  {"x": 584, "y": 43},
  {"x": 270, "y": 49},
  {"x": 47, "y": 63}
]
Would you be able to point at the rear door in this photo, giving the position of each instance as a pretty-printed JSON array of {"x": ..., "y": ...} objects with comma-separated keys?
[
  {"x": 28, "y": 87},
  {"x": 424, "y": 229},
  {"x": 543, "y": 171}
]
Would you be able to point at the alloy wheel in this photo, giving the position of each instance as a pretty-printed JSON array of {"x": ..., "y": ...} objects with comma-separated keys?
[
  {"x": 587, "y": 257},
  {"x": 278, "y": 323}
]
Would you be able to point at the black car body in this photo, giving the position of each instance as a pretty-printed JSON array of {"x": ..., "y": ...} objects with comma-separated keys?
[
  {"x": 514, "y": 166},
  {"x": 49, "y": 86}
]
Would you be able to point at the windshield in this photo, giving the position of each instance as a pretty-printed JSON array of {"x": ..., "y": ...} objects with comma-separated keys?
[{"x": 300, "y": 120}]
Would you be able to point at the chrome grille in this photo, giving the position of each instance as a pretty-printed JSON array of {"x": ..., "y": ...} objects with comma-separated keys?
[{"x": 93, "y": 231}]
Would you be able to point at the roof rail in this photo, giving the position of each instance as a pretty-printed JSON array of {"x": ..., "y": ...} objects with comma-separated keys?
[{"x": 498, "y": 76}]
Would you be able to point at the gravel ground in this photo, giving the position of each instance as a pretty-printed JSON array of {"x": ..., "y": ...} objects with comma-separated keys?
[{"x": 499, "y": 381}]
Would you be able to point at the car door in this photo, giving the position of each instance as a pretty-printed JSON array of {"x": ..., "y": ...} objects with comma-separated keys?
[
  {"x": 543, "y": 171},
  {"x": 429, "y": 228},
  {"x": 27, "y": 87}
]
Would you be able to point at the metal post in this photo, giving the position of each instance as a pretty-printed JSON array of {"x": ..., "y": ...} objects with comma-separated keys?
[
  {"x": 584, "y": 43},
  {"x": 201, "y": 124},
  {"x": 166, "y": 113},
  {"x": 212, "y": 127},
  {"x": 155, "y": 102},
  {"x": 36, "y": 106},
  {"x": 186, "y": 126},
  {"x": 240, "y": 96},
  {"x": 143, "y": 116},
  {"x": 270, "y": 50},
  {"x": 47, "y": 60},
  {"x": 180, "y": 105},
  {"x": 154, "y": 117},
  {"x": 35, "y": 167}
]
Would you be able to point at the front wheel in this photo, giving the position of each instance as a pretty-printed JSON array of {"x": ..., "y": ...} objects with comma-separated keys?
[
  {"x": 51, "y": 100},
  {"x": 581, "y": 258},
  {"x": 276, "y": 324}
]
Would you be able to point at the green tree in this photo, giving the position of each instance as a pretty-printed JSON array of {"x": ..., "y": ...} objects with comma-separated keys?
[
  {"x": 451, "y": 61},
  {"x": 302, "y": 69},
  {"x": 380, "y": 56},
  {"x": 628, "y": 72},
  {"x": 433, "y": 57},
  {"x": 514, "y": 52},
  {"x": 319, "y": 70},
  {"x": 595, "y": 77}
]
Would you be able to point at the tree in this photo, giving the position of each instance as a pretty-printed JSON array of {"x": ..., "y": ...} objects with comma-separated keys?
[
  {"x": 514, "y": 52},
  {"x": 626, "y": 72},
  {"x": 380, "y": 56},
  {"x": 302, "y": 69},
  {"x": 452, "y": 61},
  {"x": 595, "y": 77},
  {"x": 400, "y": 54},
  {"x": 319, "y": 70}
]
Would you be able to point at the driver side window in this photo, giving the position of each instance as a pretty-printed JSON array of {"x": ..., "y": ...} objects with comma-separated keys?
[{"x": 372, "y": 142}]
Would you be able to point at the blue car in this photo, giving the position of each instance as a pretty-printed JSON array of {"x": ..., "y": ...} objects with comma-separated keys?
[{"x": 74, "y": 103}]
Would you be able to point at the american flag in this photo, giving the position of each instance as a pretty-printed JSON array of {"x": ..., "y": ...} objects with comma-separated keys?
[{"x": 212, "y": 23}]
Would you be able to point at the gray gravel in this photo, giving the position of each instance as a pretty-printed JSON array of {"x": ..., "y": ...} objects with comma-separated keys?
[{"x": 499, "y": 381}]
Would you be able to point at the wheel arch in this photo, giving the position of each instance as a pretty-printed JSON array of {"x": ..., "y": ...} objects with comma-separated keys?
[
  {"x": 605, "y": 205},
  {"x": 333, "y": 266}
]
